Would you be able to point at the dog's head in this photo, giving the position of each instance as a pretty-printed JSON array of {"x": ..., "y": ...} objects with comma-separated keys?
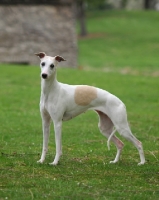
[{"x": 48, "y": 64}]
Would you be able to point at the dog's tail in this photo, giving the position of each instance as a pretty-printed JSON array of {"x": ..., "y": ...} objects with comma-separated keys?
[{"x": 110, "y": 137}]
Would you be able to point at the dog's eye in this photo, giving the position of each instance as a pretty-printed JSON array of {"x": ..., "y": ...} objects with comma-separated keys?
[
  {"x": 42, "y": 64},
  {"x": 52, "y": 66}
]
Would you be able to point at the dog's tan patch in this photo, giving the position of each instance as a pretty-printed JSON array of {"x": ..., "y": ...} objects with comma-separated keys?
[{"x": 85, "y": 94}]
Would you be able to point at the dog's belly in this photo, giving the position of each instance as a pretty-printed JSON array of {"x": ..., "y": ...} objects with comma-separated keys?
[
  {"x": 71, "y": 114},
  {"x": 67, "y": 117}
]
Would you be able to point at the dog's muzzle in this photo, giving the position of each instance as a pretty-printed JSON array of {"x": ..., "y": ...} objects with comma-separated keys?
[{"x": 44, "y": 76}]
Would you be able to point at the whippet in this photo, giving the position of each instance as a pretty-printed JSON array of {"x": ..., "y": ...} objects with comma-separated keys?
[{"x": 61, "y": 102}]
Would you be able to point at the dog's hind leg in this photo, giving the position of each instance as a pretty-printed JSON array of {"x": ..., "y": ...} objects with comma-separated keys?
[
  {"x": 120, "y": 122},
  {"x": 127, "y": 134},
  {"x": 106, "y": 128}
]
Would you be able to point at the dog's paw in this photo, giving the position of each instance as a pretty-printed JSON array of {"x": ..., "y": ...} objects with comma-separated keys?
[
  {"x": 40, "y": 161},
  {"x": 113, "y": 162},
  {"x": 141, "y": 163},
  {"x": 53, "y": 163}
]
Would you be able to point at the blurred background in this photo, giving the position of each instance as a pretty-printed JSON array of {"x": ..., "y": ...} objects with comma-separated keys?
[{"x": 98, "y": 33}]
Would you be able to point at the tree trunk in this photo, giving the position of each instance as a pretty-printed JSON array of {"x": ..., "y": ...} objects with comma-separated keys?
[
  {"x": 82, "y": 18},
  {"x": 150, "y": 4}
]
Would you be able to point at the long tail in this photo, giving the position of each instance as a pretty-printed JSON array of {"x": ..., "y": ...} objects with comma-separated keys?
[{"x": 110, "y": 137}]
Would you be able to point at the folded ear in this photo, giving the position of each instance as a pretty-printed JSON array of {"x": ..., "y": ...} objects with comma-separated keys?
[
  {"x": 41, "y": 54},
  {"x": 59, "y": 58}
]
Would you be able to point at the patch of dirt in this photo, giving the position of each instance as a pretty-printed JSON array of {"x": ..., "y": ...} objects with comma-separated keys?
[
  {"x": 124, "y": 71},
  {"x": 92, "y": 36}
]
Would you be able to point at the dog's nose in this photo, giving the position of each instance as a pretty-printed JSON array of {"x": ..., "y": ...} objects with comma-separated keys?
[{"x": 44, "y": 76}]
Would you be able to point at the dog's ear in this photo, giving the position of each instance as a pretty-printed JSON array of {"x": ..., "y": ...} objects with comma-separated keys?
[
  {"x": 59, "y": 58},
  {"x": 41, "y": 54}
]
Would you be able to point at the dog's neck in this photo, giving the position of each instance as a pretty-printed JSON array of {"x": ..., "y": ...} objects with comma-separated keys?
[{"x": 49, "y": 85}]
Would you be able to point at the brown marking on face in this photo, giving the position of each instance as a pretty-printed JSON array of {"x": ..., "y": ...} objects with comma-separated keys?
[{"x": 85, "y": 94}]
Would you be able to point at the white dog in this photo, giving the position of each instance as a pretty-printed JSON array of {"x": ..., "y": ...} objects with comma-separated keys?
[{"x": 61, "y": 102}]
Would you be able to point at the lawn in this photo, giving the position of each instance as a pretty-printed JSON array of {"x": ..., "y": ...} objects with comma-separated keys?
[
  {"x": 121, "y": 40},
  {"x": 84, "y": 171}
]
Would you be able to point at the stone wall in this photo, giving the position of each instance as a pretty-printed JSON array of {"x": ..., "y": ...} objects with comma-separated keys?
[
  {"x": 25, "y": 30},
  {"x": 135, "y": 4}
]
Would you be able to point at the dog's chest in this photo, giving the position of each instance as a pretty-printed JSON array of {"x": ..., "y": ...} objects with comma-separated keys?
[
  {"x": 47, "y": 102},
  {"x": 43, "y": 104}
]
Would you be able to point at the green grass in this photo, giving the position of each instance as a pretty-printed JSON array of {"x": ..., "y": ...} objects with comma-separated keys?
[
  {"x": 121, "y": 39},
  {"x": 84, "y": 171}
]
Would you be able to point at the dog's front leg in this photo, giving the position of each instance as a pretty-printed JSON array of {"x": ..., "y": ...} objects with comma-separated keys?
[
  {"x": 46, "y": 119},
  {"x": 57, "y": 129}
]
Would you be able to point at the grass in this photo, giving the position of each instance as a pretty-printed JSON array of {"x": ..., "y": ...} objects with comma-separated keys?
[
  {"x": 84, "y": 171},
  {"x": 121, "y": 39}
]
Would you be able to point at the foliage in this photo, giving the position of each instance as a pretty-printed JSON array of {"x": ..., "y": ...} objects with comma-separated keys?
[{"x": 100, "y": 4}]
